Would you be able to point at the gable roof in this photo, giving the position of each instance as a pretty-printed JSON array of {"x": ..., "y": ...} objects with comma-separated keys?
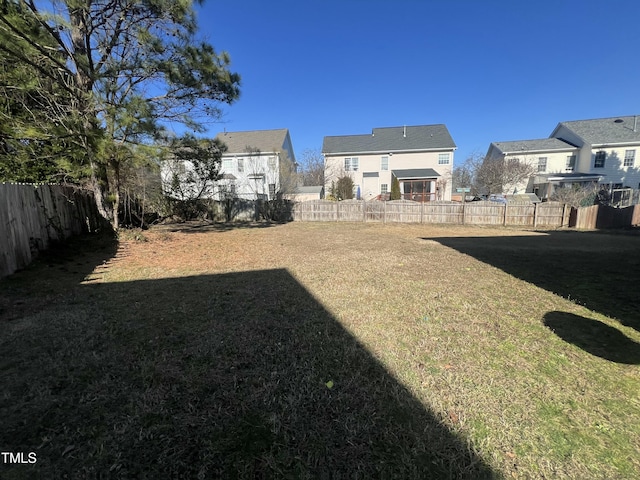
[
  {"x": 601, "y": 131},
  {"x": 537, "y": 145},
  {"x": 392, "y": 139},
  {"x": 263, "y": 140}
]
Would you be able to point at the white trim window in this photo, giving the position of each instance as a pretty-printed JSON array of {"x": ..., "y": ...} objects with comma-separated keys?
[
  {"x": 542, "y": 164},
  {"x": 384, "y": 163},
  {"x": 629, "y": 158},
  {"x": 571, "y": 163},
  {"x": 227, "y": 165},
  {"x": 241, "y": 165},
  {"x": 443, "y": 159},
  {"x": 351, "y": 164},
  {"x": 384, "y": 188},
  {"x": 600, "y": 159},
  {"x": 272, "y": 163}
]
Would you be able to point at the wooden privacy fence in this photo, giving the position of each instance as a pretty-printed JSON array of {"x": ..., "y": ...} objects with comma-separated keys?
[
  {"x": 548, "y": 214},
  {"x": 601, "y": 216},
  {"x": 32, "y": 216}
]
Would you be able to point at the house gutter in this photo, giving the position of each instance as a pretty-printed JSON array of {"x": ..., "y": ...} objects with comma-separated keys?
[{"x": 377, "y": 152}]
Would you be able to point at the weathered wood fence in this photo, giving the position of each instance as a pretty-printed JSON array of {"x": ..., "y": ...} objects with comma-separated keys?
[
  {"x": 601, "y": 216},
  {"x": 32, "y": 216},
  {"x": 548, "y": 214}
]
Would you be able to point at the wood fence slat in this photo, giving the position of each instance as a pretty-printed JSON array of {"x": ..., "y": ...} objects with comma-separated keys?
[
  {"x": 540, "y": 215},
  {"x": 32, "y": 216}
]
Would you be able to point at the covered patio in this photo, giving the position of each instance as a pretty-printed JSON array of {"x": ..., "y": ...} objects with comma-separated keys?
[{"x": 418, "y": 184}]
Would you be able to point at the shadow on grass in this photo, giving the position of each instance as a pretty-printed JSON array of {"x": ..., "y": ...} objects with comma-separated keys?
[
  {"x": 595, "y": 337},
  {"x": 201, "y": 227},
  {"x": 57, "y": 271},
  {"x": 241, "y": 375},
  {"x": 597, "y": 270}
]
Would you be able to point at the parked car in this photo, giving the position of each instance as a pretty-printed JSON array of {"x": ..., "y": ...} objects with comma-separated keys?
[{"x": 494, "y": 197}]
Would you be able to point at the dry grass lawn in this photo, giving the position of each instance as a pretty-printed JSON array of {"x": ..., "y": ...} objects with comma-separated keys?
[{"x": 325, "y": 350}]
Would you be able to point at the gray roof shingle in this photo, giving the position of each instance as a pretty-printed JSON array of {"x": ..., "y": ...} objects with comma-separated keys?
[
  {"x": 415, "y": 173},
  {"x": 606, "y": 130},
  {"x": 392, "y": 139},
  {"x": 263, "y": 140},
  {"x": 537, "y": 145}
]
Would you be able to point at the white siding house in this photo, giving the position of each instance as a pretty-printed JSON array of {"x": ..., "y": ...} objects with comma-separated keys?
[
  {"x": 420, "y": 157},
  {"x": 603, "y": 151},
  {"x": 258, "y": 164}
]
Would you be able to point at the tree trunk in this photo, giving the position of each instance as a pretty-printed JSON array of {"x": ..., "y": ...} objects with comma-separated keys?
[{"x": 82, "y": 61}]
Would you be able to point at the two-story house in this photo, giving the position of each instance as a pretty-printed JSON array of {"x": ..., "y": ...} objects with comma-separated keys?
[
  {"x": 579, "y": 152},
  {"x": 419, "y": 157},
  {"x": 258, "y": 164}
]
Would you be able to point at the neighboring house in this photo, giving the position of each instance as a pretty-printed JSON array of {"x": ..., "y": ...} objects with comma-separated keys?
[
  {"x": 258, "y": 164},
  {"x": 420, "y": 157},
  {"x": 579, "y": 152}
]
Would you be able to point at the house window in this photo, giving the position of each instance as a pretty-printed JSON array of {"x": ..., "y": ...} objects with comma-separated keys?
[
  {"x": 384, "y": 188},
  {"x": 227, "y": 164},
  {"x": 443, "y": 159},
  {"x": 629, "y": 158},
  {"x": 384, "y": 163},
  {"x": 272, "y": 163},
  {"x": 240, "y": 165},
  {"x": 542, "y": 164},
  {"x": 351, "y": 164},
  {"x": 571, "y": 163},
  {"x": 272, "y": 190},
  {"x": 599, "y": 161}
]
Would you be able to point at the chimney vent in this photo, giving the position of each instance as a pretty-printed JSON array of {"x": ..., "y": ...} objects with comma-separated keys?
[{"x": 404, "y": 132}]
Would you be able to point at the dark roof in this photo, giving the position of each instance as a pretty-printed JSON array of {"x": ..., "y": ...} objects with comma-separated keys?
[
  {"x": 606, "y": 130},
  {"x": 537, "y": 145},
  {"x": 263, "y": 140},
  {"x": 392, "y": 139},
  {"x": 415, "y": 173}
]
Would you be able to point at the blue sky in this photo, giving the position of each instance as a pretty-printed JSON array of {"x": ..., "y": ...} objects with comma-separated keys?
[{"x": 491, "y": 70}]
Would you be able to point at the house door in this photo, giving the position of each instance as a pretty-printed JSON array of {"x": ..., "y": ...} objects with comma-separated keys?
[{"x": 370, "y": 186}]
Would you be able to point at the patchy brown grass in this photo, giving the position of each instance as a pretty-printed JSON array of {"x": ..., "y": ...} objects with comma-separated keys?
[{"x": 326, "y": 350}]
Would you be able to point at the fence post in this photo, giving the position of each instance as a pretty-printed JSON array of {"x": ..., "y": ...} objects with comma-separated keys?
[
  {"x": 464, "y": 204},
  {"x": 504, "y": 223},
  {"x": 384, "y": 213},
  {"x": 422, "y": 212},
  {"x": 364, "y": 212},
  {"x": 535, "y": 215},
  {"x": 337, "y": 210}
]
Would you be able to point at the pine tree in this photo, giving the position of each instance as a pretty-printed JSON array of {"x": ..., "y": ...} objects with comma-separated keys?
[{"x": 129, "y": 67}]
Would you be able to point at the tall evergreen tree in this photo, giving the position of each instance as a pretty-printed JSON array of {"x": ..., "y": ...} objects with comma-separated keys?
[
  {"x": 36, "y": 119},
  {"x": 131, "y": 67}
]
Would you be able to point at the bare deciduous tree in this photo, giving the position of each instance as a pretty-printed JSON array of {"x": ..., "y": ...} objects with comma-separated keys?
[
  {"x": 312, "y": 168},
  {"x": 499, "y": 175},
  {"x": 576, "y": 195}
]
